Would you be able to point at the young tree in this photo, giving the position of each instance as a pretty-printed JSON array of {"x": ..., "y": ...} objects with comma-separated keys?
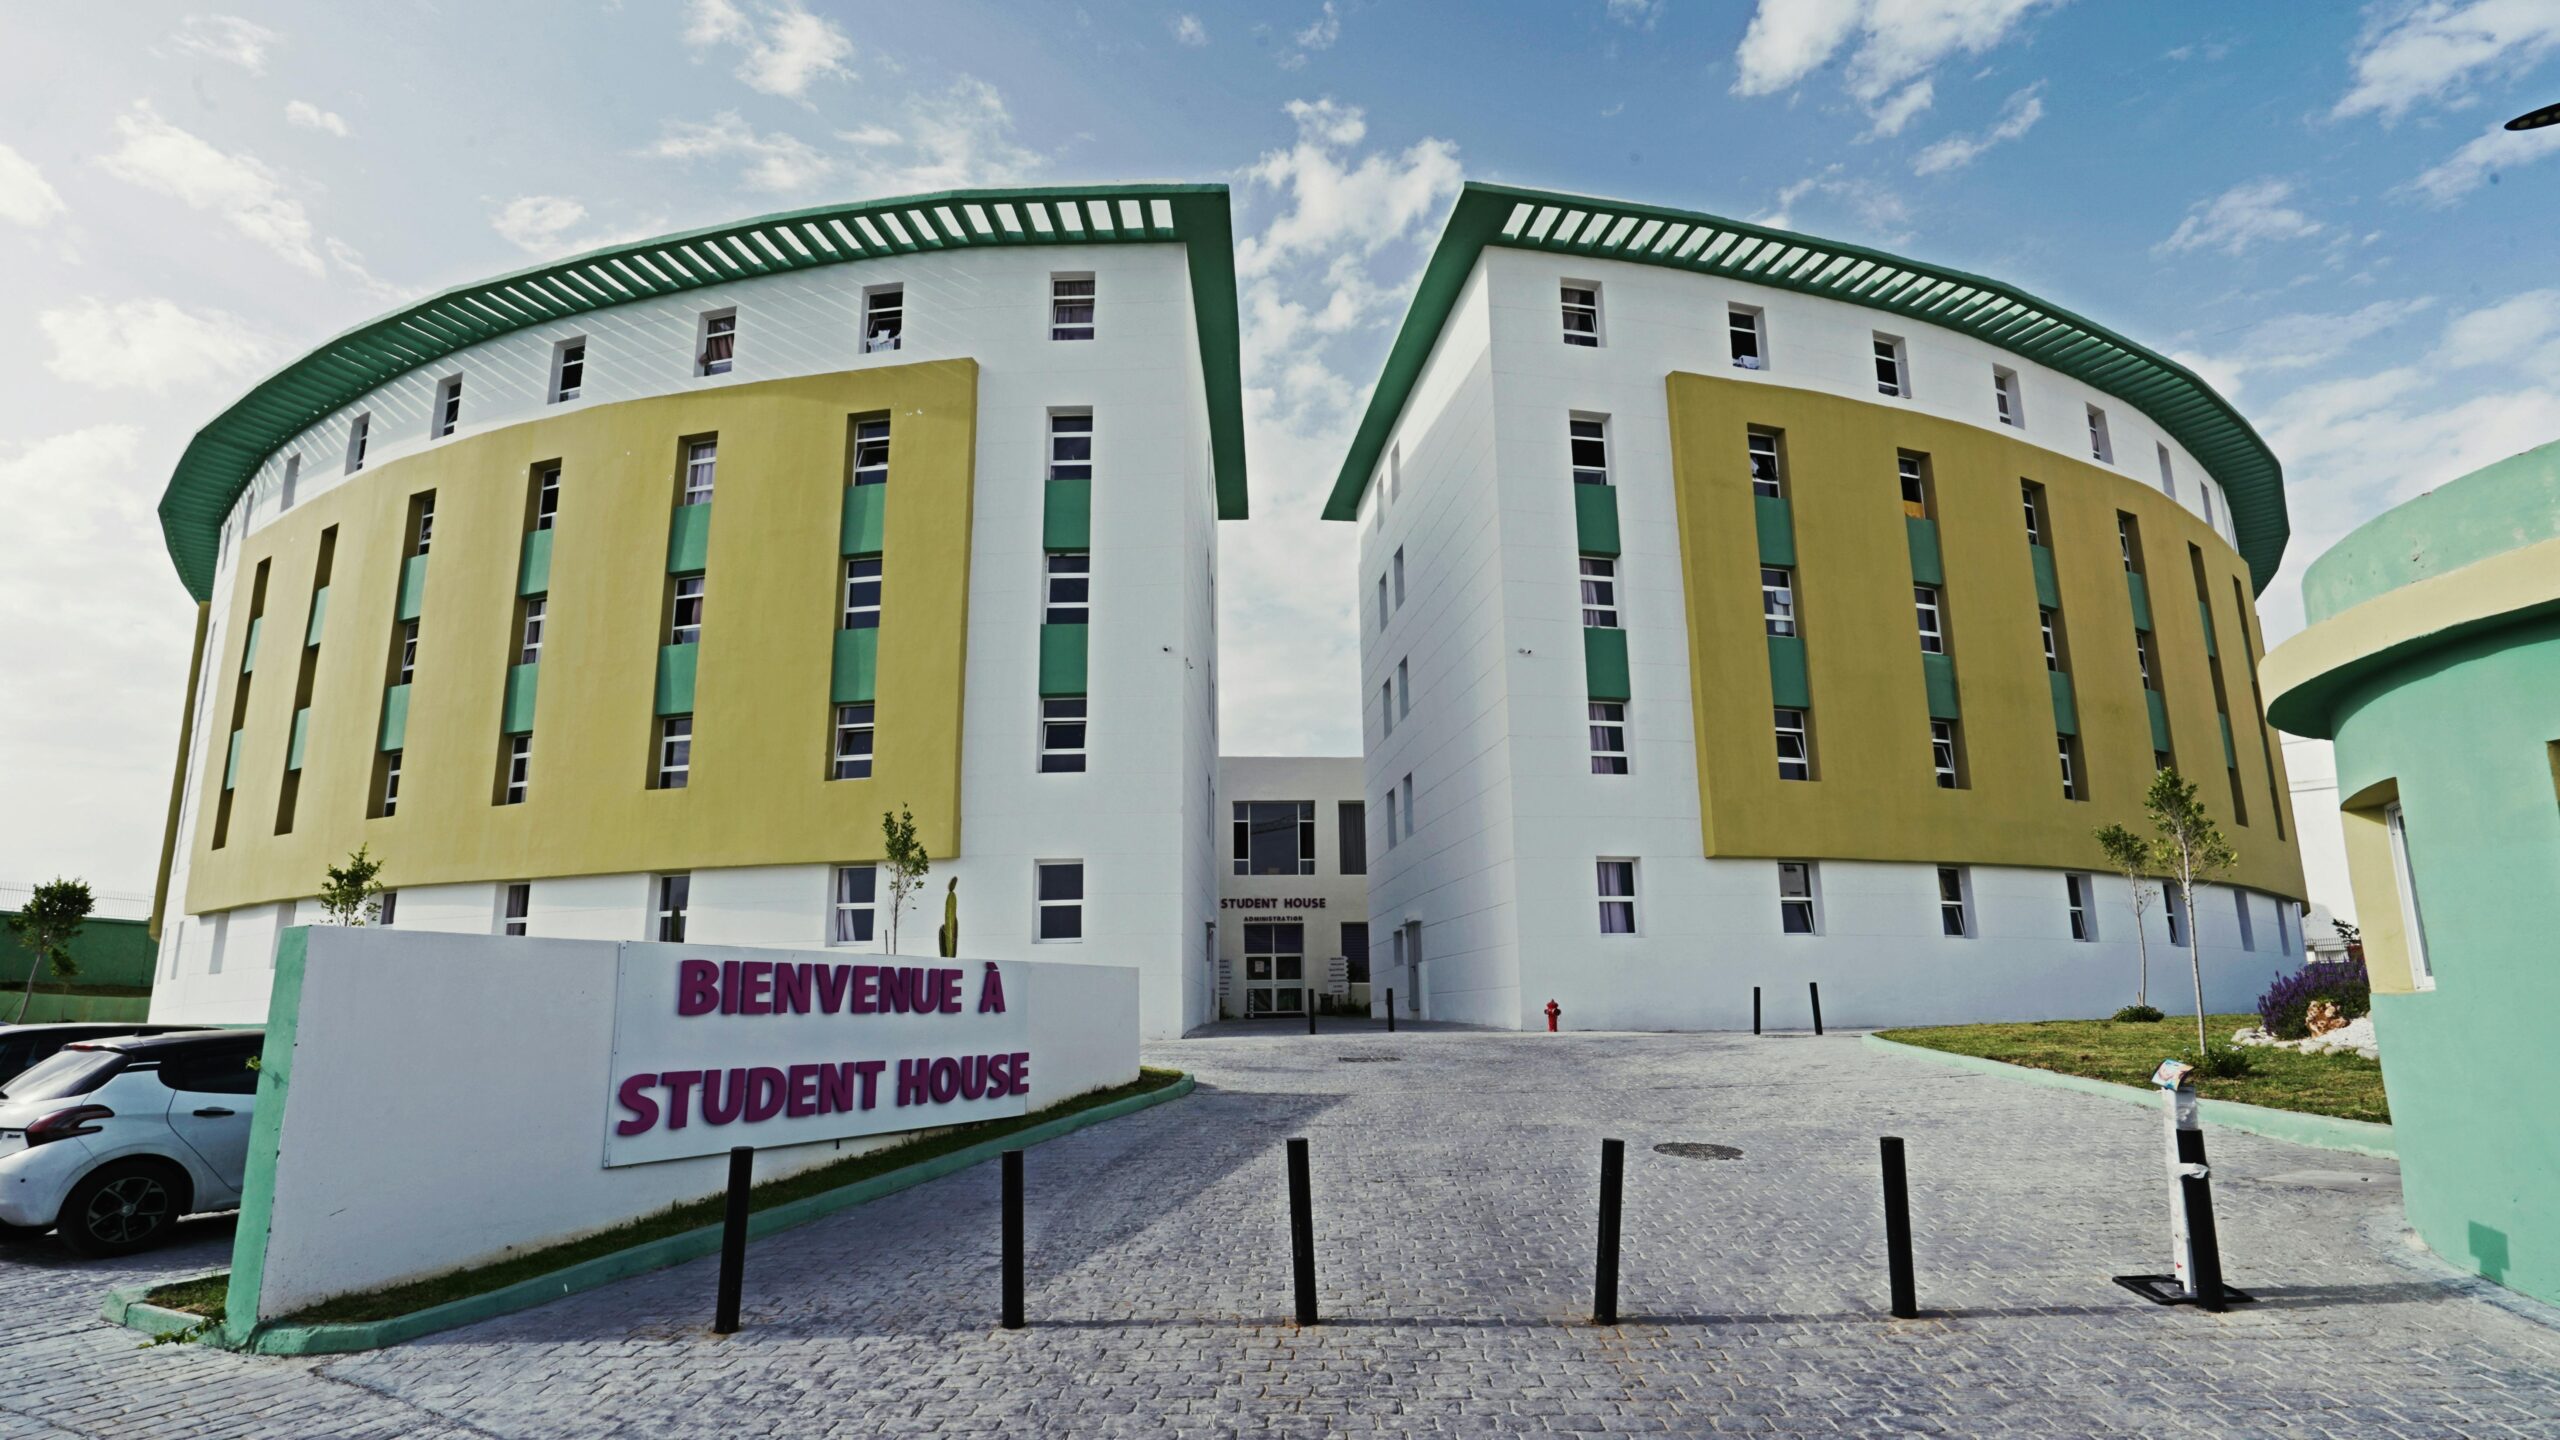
[
  {"x": 2132, "y": 859},
  {"x": 351, "y": 894},
  {"x": 2187, "y": 851},
  {"x": 907, "y": 861},
  {"x": 53, "y": 914}
]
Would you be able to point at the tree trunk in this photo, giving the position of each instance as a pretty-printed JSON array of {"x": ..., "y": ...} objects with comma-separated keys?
[
  {"x": 2195, "y": 965},
  {"x": 27, "y": 996},
  {"x": 2142, "y": 950}
]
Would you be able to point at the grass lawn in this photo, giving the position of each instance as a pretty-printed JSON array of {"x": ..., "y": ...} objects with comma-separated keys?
[
  {"x": 205, "y": 1296},
  {"x": 2347, "y": 1086}
]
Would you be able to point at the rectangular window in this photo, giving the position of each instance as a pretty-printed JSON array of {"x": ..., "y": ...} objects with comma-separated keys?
[
  {"x": 1599, "y": 593},
  {"x": 568, "y": 369},
  {"x": 292, "y": 476},
  {"x": 513, "y": 920},
  {"x": 2168, "y": 473},
  {"x": 1608, "y": 737},
  {"x": 1070, "y": 444},
  {"x": 1933, "y": 633},
  {"x": 1951, "y": 901},
  {"x": 862, "y": 586},
  {"x": 2127, "y": 547},
  {"x": 1391, "y": 819},
  {"x": 1945, "y": 754},
  {"x": 1062, "y": 735},
  {"x": 2101, "y": 449},
  {"x": 536, "y": 608},
  {"x": 1351, "y": 836},
  {"x": 1589, "y": 437},
  {"x": 719, "y": 347},
  {"x": 1404, "y": 688},
  {"x": 1913, "y": 472},
  {"x": 408, "y": 652},
  {"x": 1396, "y": 567},
  {"x": 1617, "y": 897},
  {"x": 2207, "y": 490},
  {"x": 850, "y": 912},
  {"x": 519, "y": 769},
  {"x": 1408, "y": 806},
  {"x": 2284, "y": 929},
  {"x": 1892, "y": 377},
  {"x": 1778, "y": 599},
  {"x": 1795, "y": 898},
  {"x": 389, "y": 796},
  {"x": 2240, "y": 910},
  {"x": 1768, "y": 470},
  {"x": 2075, "y": 893},
  {"x": 1387, "y": 707},
  {"x": 1581, "y": 313},
  {"x": 2067, "y": 752},
  {"x": 2176, "y": 912},
  {"x": 424, "y": 505},
  {"x": 871, "y": 452},
  {"x": 1069, "y": 596},
  {"x": 1795, "y": 753},
  {"x": 1355, "y": 950},
  {"x": 675, "y": 752},
  {"x": 685, "y": 627},
  {"x": 1750, "y": 349},
  {"x": 386, "y": 908},
  {"x": 675, "y": 894},
  {"x": 359, "y": 435},
  {"x": 884, "y": 318},
  {"x": 2031, "y": 502},
  {"x": 1060, "y": 887},
  {"x": 2007, "y": 399},
  {"x": 447, "y": 415},
  {"x": 2142, "y": 659},
  {"x": 1070, "y": 307},
  {"x": 2052, "y": 644},
  {"x": 1275, "y": 837},
  {"x": 853, "y": 743},
  {"x": 1383, "y": 609},
  {"x": 546, "y": 499}
]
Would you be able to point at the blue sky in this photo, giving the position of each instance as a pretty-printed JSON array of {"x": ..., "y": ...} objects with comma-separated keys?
[{"x": 2310, "y": 203}]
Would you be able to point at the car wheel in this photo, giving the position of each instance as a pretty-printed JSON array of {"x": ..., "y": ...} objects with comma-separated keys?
[{"x": 120, "y": 1208}]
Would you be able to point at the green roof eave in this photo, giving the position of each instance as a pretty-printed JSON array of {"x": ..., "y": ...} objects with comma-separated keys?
[
  {"x": 221, "y": 459},
  {"x": 2200, "y": 419}
]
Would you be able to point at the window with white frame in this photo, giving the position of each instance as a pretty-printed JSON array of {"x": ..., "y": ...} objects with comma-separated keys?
[
  {"x": 1608, "y": 737},
  {"x": 854, "y": 740},
  {"x": 884, "y": 318},
  {"x": 2142, "y": 658},
  {"x": 675, "y": 752},
  {"x": 568, "y": 369},
  {"x": 408, "y": 652},
  {"x": 2075, "y": 894},
  {"x": 1070, "y": 444},
  {"x": 517, "y": 913},
  {"x": 1795, "y": 754},
  {"x": 871, "y": 451},
  {"x": 1059, "y": 885},
  {"x": 1768, "y": 471},
  {"x": 2175, "y": 911},
  {"x": 2101, "y": 448},
  {"x": 536, "y": 610},
  {"x": 1589, "y": 437},
  {"x": 1951, "y": 919},
  {"x": 292, "y": 477},
  {"x": 389, "y": 801},
  {"x": 852, "y": 906},
  {"x": 1933, "y": 631},
  {"x": 1796, "y": 914},
  {"x": 1617, "y": 897},
  {"x": 519, "y": 769},
  {"x": 2052, "y": 645},
  {"x": 386, "y": 909},
  {"x": 701, "y": 469},
  {"x": 426, "y": 502},
  {"x": 1893, "y": 376},
  {"x": 718, "y": 348},
  {"x": 863, "y": 582},
  {"x": 1912, "y": 471},
  {"x": 1396, "y": 566},
  {"x": 1275, "y": 837},
  {"x": 675, "y": 896},
  {"x": 2124, "y": 542},
  {"x": 1943, "y": 753},
  {"x": 2067, "y": 751},
  {"x": 686, "y": 612},
  {"x": 1404, "y": 688},
  {"x": 1581, "y": 301},
  {"x": 2031, "y": 503},
  {"x": 1062, "y": 735},
  {"x": 1599, "y": 592},
  {"x": 1748, "y": 338},
  {"x": 2240, "y": 912},
  {"x": 1778, "y": 599},
  {"x": 447, "y": 415},
  {"x": 359, "y": 434},
  {"x": 1067, "y": 598},
  {"x": 1071, "y": 307},
  {"x": 2007, "y": 400},
  {"x": 546, "y": 499},
  {"x": 2168, "y": 473}
]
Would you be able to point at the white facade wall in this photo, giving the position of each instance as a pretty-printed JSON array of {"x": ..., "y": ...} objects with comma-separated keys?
[
  {"x": 1138, "y": 817},
  {"x": 1322, "y": 903},
  {"x": 1496, "y": 889}
]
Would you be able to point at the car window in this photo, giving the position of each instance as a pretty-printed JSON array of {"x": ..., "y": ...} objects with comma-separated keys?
[
  {"x": 63, "y": 1073},
  {"x": 212, "y": 1070}
]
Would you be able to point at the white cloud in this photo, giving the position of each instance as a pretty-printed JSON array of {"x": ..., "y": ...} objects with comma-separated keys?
[
  {"x": 2441, "y": 50},
  {"x": 2251, "y": 213},
  {"x": 2481, "y": 161},
  {"x": 1639, "y": 13},
  {"x": 1879, "y": 211},
  {"x": 1320, "y": 34},
  {"x": 2521, "y": 328},
  {"x": 713, "y": 22},
  {"x": 535, "y": 223},
  {"x": 788, "y": 48},
  {"x": 774, "y": 161},
  {"x": 1903, "y": 106},
  {"x": 247, "y": 195},
  {"x": 1188, "y": 30},
  {"x": 26, "y": 197},
  {"x": 151, "y": 345},
  {"x": 2291, "y": 342},
  {"x": 1338, "y": 208},
  {"x": 961, "y": 137},
  {"x": 312, "y": 117},
  {"x": 2017, "y": 117},
  {"x": 229, "y": 39},
  {"x": 1897, "y": 44}
]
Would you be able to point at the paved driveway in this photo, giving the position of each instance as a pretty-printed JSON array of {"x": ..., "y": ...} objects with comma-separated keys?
[{"x": 1454, "y": 1177}]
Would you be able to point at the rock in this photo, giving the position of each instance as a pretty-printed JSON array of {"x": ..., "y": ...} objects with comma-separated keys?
[{"x": 2354, "y": 1037}]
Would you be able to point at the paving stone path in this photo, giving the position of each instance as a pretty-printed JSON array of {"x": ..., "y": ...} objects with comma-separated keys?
[{"x": 1454, "y": 1176}]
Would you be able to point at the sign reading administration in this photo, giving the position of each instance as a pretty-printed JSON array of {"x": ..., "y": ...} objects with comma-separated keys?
[{"x": 793, "y": 1047}]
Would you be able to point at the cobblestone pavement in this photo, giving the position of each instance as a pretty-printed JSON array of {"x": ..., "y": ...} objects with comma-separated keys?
[{"x": 1454, "y": 1180}]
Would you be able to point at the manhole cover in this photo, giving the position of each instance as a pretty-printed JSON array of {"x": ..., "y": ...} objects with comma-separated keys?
[
  {"x": 1697, "y": 1150},
  {"x": 1368, "y": 1059}
]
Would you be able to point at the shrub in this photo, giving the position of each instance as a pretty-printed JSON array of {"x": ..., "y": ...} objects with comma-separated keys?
[
  {"x": 2137, "y": 1015},
  {"x": 2340, "y": 982},
  {"x": 2226, "y": 1062}
]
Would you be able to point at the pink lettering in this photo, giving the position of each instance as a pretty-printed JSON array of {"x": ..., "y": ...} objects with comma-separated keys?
[
  {"x": 833, "y": 981},
  {"x": 635, "y": 1098},
  {"x": 870, "y": 1070},
  {"x": 791, "y": 989},
  {"x": 866, "y": 991},
  {"x": 835, "y": 1089},
  {"x": 991, "y": 991},
  {"x": 697, "y": 987},
  {"x": 912, "y": 1077},
  {"x": 728, "y": 987},
  {"x": 679, "y": 1085},
  {"x": 764, "y": 1094},
  {"x": 1021, "y": 1072},
  {"x": 755, "y": 985},
  {"x": 723, "y": 1095},
  {"x": 949, "y": 987},
  {"x": 946, "y": 1080}
]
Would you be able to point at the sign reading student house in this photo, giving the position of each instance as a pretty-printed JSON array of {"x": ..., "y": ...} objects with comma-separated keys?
[{"x": 799, "y": 1046}]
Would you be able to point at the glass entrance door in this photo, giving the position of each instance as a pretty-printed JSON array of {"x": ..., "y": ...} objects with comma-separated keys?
[{"x": 1275, "y": 967}]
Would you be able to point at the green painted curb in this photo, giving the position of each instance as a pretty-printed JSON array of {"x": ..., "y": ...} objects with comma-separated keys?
[
  {"x": 125, "y": 1308},
  {"x": 2326, "y": 1132}
]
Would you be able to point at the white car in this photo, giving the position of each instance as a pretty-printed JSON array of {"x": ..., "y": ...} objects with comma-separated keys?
[{"x": 111, "y": 1141}]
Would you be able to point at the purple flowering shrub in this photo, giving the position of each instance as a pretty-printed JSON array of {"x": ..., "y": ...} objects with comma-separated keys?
[{"x": 2340, "y": 982}]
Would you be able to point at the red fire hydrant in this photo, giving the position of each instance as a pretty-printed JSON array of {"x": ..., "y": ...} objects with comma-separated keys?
[{"x": 1553, "y": 1010}]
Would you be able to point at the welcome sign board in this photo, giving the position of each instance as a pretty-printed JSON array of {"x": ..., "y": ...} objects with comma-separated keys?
[{"x": 795, "y": 1046}]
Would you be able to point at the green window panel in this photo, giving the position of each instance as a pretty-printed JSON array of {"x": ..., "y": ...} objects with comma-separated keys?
[
  {"x": 533, "y": 564},
  {"x": 1777, "y": 529},
  {"x": 675, "y": 678},
  {"x": 319, "y": 613},
  {"x": 2230, "y": 753},
  {"x": 249, "y": 647},
  {"x": 857, "y": 666},
  {"x": 2204, "y": 612},
  {"x": 413, "y": 588},
  {"x": 866, "y": 519},
  {"x": 2141, "y": 592},
  {"x": 689, "y": 540},
  {"x": 1926, "y": 566},
  {"x": 395, "y": 718},
  {"x": 1062, "y": 659},
  {"x": 1787, "y": 683},
  {"x": 231, "y": 763},
  {"x": 2048, "y": 589},
  {"x": 2159, "y": 719},
  {"x": 1595, "y": 519},
  {"x": 301, "y": 737},
  {"x": 1604, "y": 663},
  {"x": 1066, "y": 515},
  {"x": 522, "y": 683},
  {"x": 2066, "y": 714},
  {"x": 1938, "y": 673}
]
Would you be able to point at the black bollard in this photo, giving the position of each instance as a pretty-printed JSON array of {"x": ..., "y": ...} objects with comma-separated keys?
[
  {"x": 1391, "y": 1010},
  {"x": 1302, "y": 1232},
  {"x": 1013, "y": 1239},
  {"x": 1814, "y": 988},
  {"x": 1311, "y": 1013},
  {"x": 733, "y": 1240},
  {"x": 1604, "y": 1274},
  {"x": 1897, "y": 1230},
  {"x": 1755, "y": 1009},
  {"x": 2203, "y": 1248}
]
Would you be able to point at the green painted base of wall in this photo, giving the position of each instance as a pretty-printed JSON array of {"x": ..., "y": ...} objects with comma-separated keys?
[
  {"x": 48, "y": 1009},
  {"x": 2479, "y": 1180},
  {"x": 108, "y": 952}
]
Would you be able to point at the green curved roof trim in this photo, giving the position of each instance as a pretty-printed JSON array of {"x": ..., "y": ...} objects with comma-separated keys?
[
  {"x": 220, "y": 461},
  {"x": 1997, "y": 314}
]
